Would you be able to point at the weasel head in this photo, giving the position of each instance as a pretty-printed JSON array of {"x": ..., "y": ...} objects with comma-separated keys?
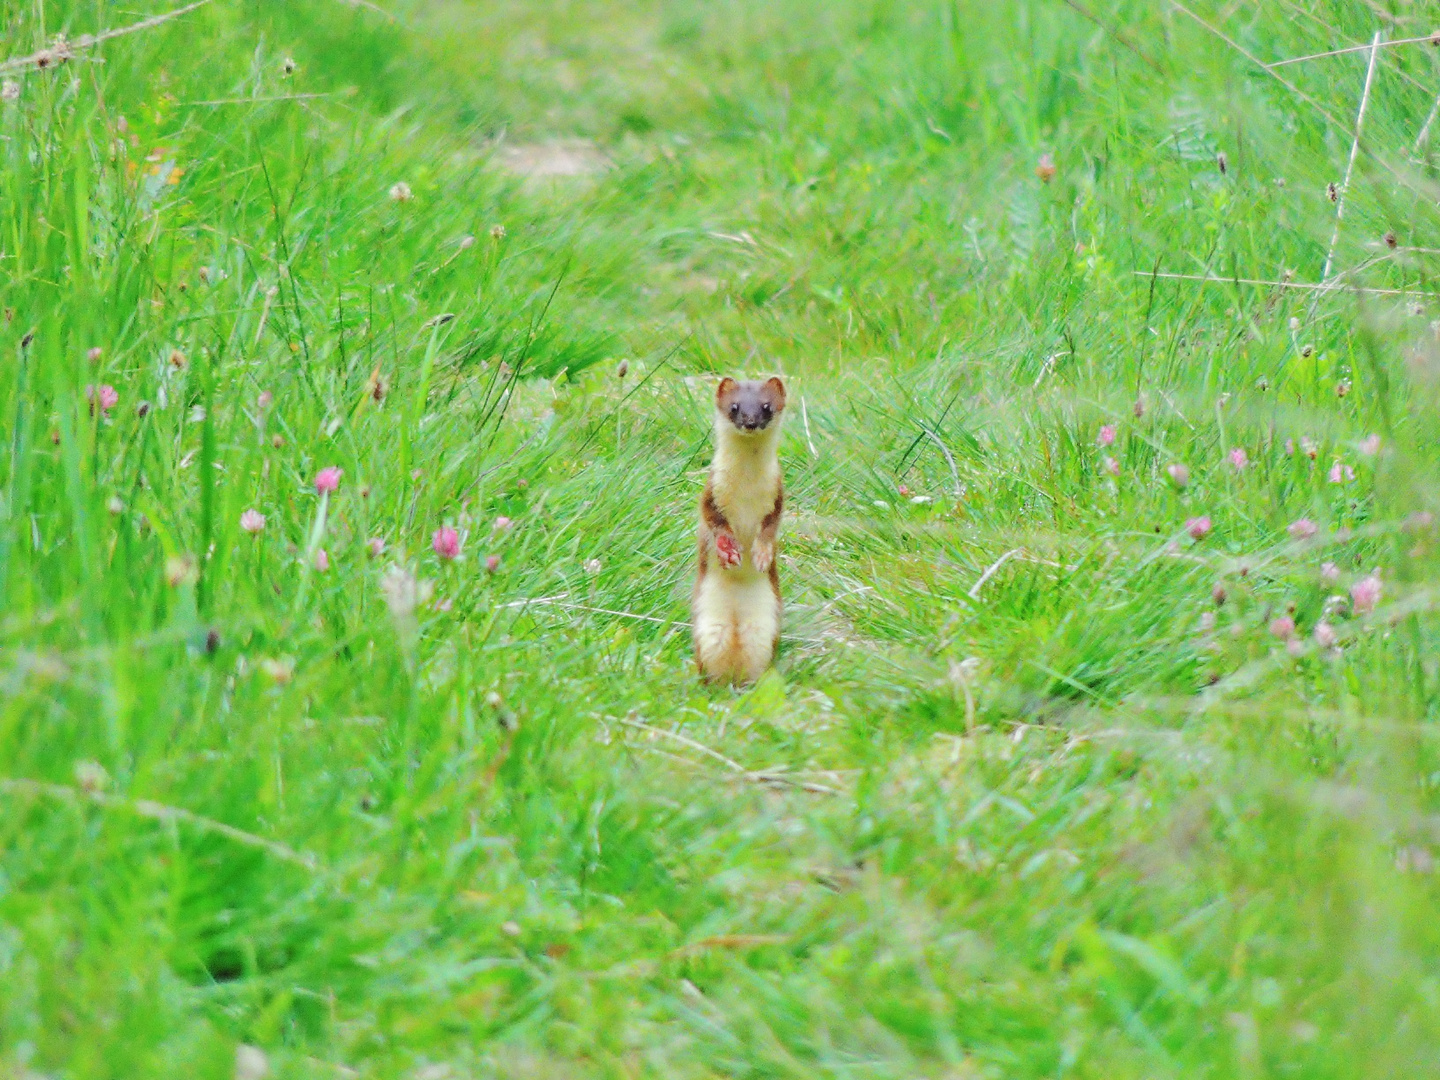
[{"x": 749, "y": 408}]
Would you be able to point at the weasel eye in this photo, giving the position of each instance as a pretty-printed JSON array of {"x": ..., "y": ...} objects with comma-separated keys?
[
  {"x": 735, "y": 411},
  {"x": 765, "y": 408}
]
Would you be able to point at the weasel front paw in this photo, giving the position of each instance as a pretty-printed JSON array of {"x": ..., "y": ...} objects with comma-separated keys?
[
  {"x": 762, "y": 555},
  {"x": 728, "y": 550}
]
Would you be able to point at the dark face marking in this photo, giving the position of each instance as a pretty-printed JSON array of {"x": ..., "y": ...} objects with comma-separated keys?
[{"x": 750, "y": 407}]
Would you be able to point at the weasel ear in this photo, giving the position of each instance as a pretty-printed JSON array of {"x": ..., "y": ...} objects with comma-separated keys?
[
  {"x": 777, "y": 388},
  {"x": 727, "y": 387}
]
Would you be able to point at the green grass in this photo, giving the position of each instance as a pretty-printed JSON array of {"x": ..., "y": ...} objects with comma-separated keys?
[{"x": 1011, "y": 805}]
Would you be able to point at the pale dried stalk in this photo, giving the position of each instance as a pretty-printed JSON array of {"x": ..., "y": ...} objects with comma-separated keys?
[
  {"x": 148, "y": 808},
  {"x": 558, "y": 600},
  {"x": 1425, "y": 131},
  {"x": 63, "y": 51},
  {"x": 369, "y": 7},
  {"x": 1258, "y": 62},
  {"x": 992, "y": 570},
  {"x": 1428, "y": 39},
  {"x": 805, "y": 415},
  {"x": 755, "y": 776},
  {"x": 1332, "y": 286},
  {"x": 949, "y": 460},
  {"x": 218, "y": 102},
  {"x": 1354, "y": 152}
]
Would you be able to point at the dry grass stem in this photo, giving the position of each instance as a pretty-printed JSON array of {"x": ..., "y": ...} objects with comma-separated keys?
[
  {"x": 1334, "y": 286},
  {"x": 156, "y": 811},
  {"x": 993, "y": 569},
  {"x": 1354, "y": 152},
  {"x": 758, "y": 776},
  {"x": 1428, "y": 39},
  {"x": 62, "y": 53}
]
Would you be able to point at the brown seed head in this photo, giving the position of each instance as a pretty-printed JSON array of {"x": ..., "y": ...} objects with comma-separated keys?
[
  {"x": 181, "y": 570},
  {"x": 58, "y": 53},
  {"x": 378, "y": 386}
]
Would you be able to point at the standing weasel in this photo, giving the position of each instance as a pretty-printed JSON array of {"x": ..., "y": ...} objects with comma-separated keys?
[{"x": 735, "y": 608}]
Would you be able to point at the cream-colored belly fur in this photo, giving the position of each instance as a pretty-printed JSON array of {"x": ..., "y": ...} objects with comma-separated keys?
[{"x": 736, "y": 618}]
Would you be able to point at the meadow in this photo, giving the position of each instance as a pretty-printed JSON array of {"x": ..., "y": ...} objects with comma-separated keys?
[{"x": 356, "y": 398}]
